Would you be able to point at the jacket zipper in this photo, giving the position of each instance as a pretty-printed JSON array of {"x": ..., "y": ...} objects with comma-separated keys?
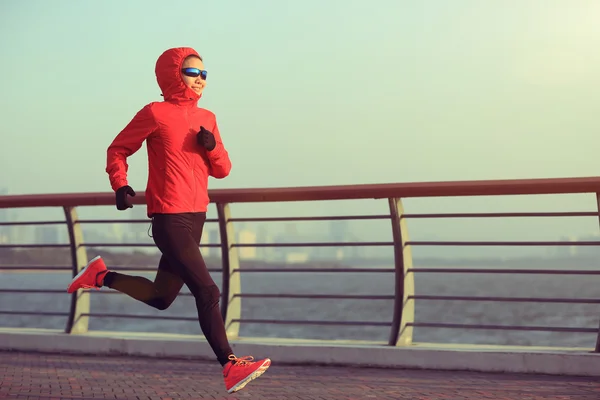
[{"x": 193, "y": 162}]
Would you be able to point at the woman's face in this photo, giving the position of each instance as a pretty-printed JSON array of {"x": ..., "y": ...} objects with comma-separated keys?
[{"x": 194, "y": 74}]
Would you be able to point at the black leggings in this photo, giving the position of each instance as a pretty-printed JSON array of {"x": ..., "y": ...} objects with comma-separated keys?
[{"x": 177, "y": 236}]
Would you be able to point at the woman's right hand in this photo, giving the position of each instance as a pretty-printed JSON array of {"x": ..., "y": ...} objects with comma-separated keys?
[{"x": 121, "y": 199}]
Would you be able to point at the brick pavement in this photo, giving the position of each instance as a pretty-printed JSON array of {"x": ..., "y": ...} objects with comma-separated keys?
[{"x": 46, "y": 376}]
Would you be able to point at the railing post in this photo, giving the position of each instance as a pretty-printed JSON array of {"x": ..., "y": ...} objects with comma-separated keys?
[
  {"x": 404, "y": 308},
  {"x": 231, "y": 303},
  {"x": 80, "y": 300},
  {"x": 597, "y": 348}
]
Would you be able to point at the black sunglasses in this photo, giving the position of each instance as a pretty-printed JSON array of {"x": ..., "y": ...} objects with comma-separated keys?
[{"x": 194, "y": 72}]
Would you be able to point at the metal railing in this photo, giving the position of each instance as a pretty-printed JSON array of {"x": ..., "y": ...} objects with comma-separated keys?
[{"x": 401, "y": 318}]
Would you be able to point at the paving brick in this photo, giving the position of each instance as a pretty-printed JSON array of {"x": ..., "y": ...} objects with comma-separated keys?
[{"x": 47, "y": 376}]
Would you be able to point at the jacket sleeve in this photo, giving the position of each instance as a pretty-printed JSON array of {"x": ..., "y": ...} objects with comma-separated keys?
[
  {"x": 220, "y": 164},
  {"x": 126, "y": 143}
]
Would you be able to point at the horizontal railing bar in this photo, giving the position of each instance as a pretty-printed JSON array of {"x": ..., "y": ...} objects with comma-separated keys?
[
  {"x": 505, "y": 271},
  {"x": 120, "y": 244},
  {"x": 502, "y": 327},
  {"x": 314, "y": 296},
  {"x": 316, "y": 269},
  {"x": 319, "y": 218},
  {"x": 150, "y": 269},
  {"x": 506, "y": 214},
  {"x": 498, "y": 187},
  {"x": 30, "y": 246},
  {"x": 299, "y": 322},
  {"x": 48, "y": 291},
  {"x": 277, "y": 295},
  {"x": 112, "y": 291},
  {"x": 265, "y": 321},
  {"x": 33, "y": 268},
  {"x": 507, "y": 243},
  {"x": 137, "y": 316},
  {"x": 315, "y": 244},
  {"x": 506, "y": 299},
  {"x": 36, "y": 313},
  {"x": 137, "y": 245},
  {"x": 124, "y": 221},
  {"x": 15, "y": 223}
]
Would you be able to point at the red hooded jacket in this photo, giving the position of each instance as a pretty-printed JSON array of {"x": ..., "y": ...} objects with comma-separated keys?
[{"x": 178, "y": 167}]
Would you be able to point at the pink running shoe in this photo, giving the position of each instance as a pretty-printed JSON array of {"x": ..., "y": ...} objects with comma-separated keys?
[
  {"x": 240, "y": 371},
  {"x": 90, "y": 277}
]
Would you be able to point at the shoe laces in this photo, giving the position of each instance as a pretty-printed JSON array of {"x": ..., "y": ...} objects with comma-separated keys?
[
  {"x": 242, "y": 360},
  {"x": 96, "y": 285}
]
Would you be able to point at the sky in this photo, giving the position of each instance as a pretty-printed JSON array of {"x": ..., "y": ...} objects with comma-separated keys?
[{"x": 315, "y": 93}]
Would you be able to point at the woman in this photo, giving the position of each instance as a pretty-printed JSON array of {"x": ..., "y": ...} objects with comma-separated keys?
[{"x": 184, "y": 149}]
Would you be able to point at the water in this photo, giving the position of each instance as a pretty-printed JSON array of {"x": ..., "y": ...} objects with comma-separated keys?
[{"x": 533, "y": 314}]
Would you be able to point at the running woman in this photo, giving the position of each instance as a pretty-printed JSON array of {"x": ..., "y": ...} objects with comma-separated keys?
[{"x": 184, "y": 148}]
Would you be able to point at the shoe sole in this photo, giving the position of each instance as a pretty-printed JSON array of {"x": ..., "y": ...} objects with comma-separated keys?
[
  {"x": 81, "y": 273},
  {"x": 258, "y": 372}
]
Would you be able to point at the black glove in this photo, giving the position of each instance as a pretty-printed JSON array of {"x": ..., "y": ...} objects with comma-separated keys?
[
  {"x": 206, "y": 139},
  {"x": 121, "y": 199}
]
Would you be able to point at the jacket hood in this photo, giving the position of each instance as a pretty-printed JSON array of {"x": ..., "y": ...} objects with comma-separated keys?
[{"x": 168, "y": 75}]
